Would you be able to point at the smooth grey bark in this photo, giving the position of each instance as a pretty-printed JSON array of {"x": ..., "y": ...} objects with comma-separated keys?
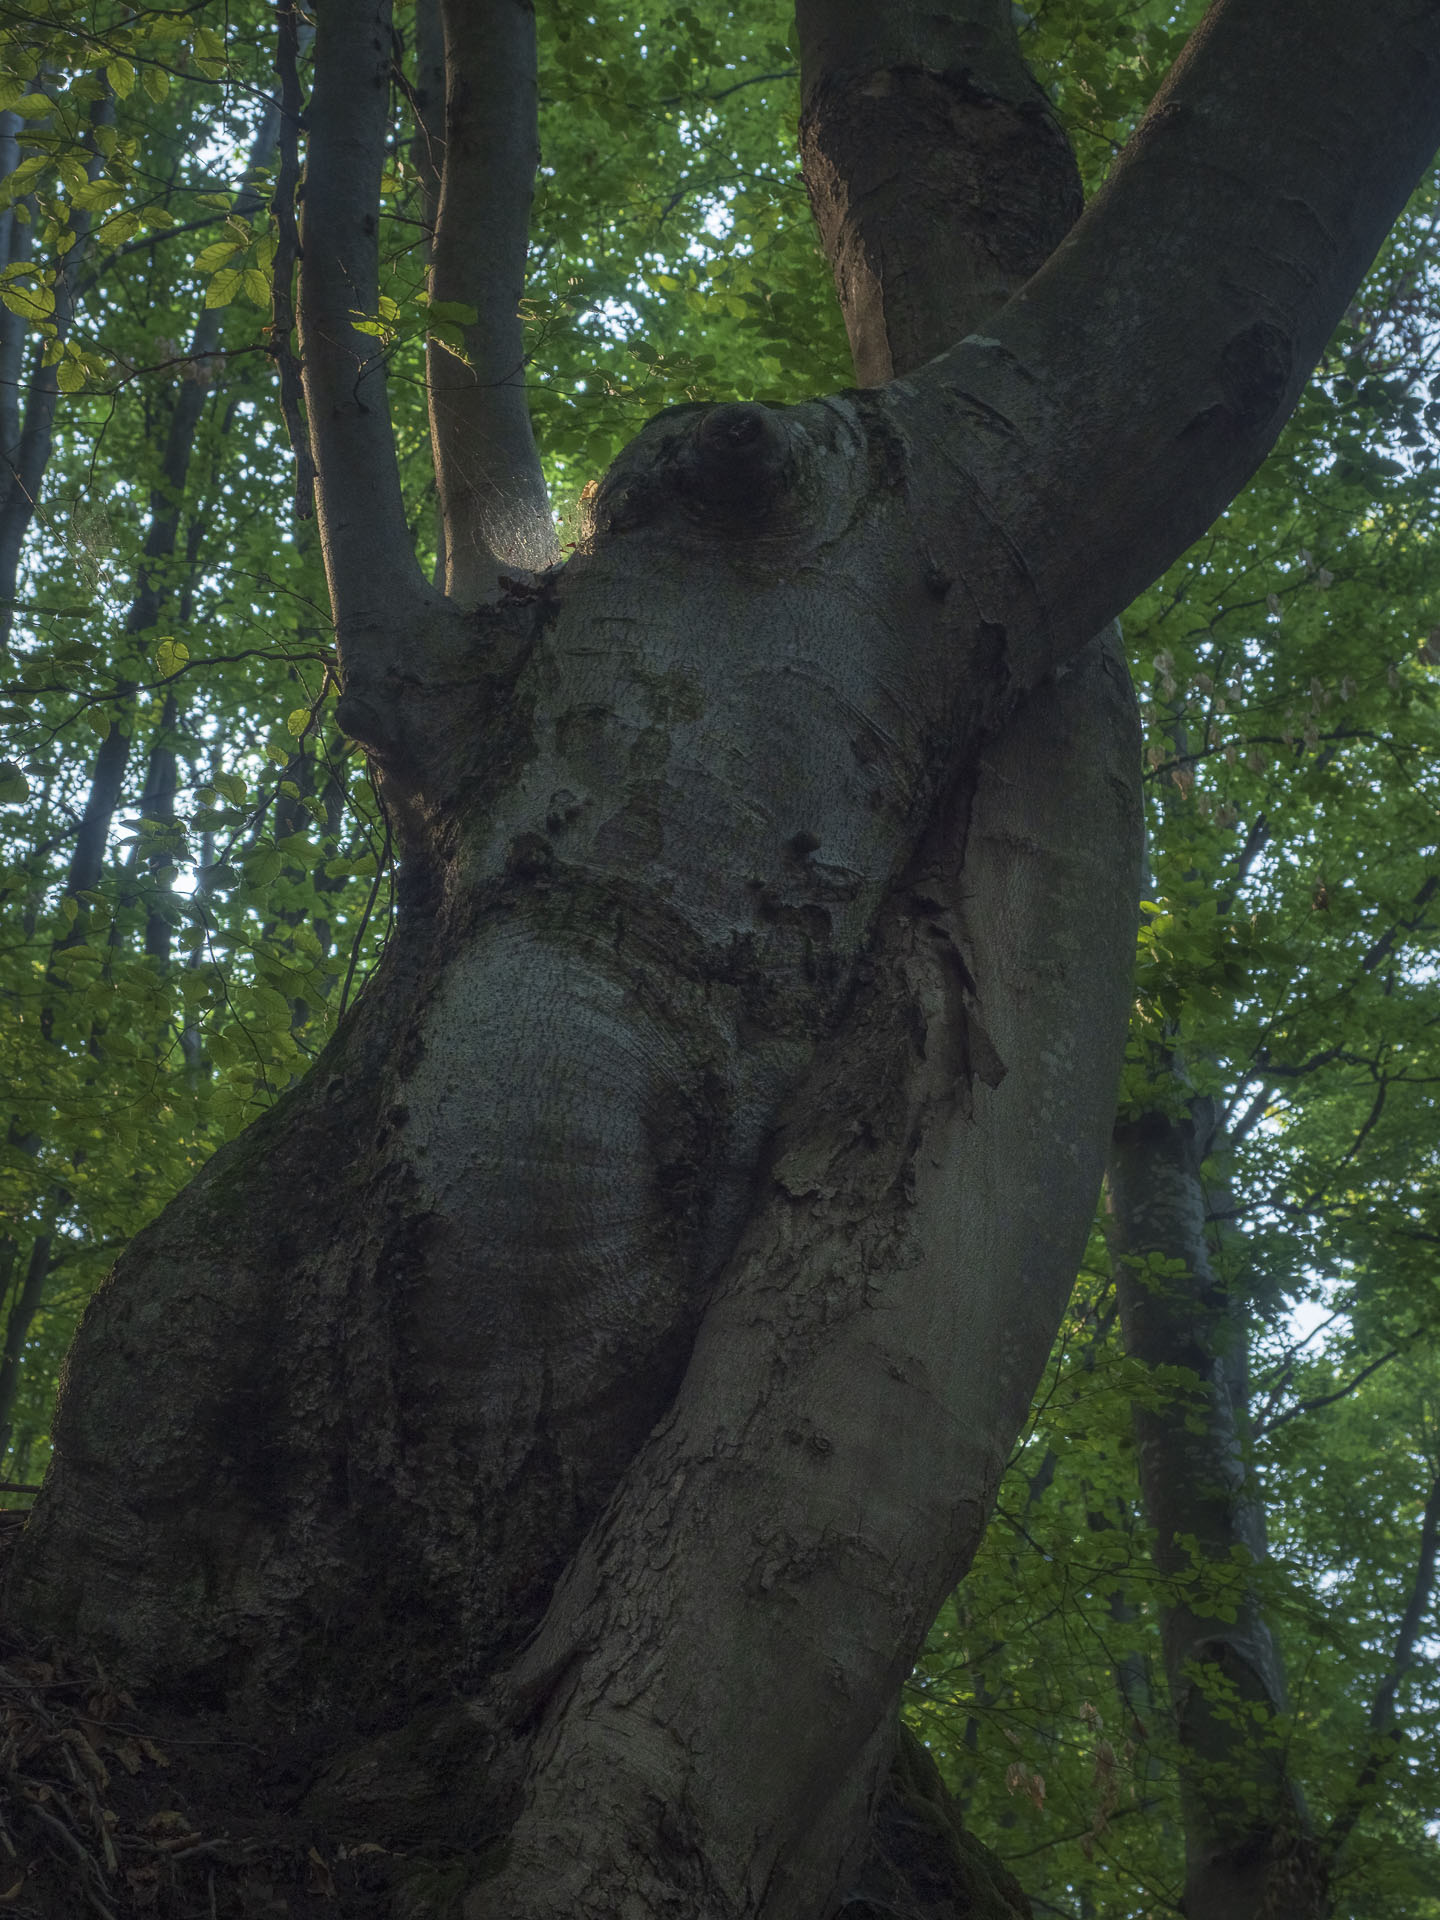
[
  {"x": 940, "y": 178},
  {"x": 940, "y": 181},
  {"x": 626, "y": 1323},
  {"x": 368, "y": 559},
  {"x": 880, "y": 1260},
  {"x": 493, "y": 500}
]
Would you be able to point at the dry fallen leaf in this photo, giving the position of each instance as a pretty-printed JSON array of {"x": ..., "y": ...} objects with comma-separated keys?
[{"x": 320, "y": 1879}]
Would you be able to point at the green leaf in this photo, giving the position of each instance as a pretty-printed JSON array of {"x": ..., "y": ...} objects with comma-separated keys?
[
  {"x": 224, "y": 287},
  {"x": 170, "y": 657},
  {"x": 14, "y": 787},
  {"x": 297, "y": 720},
  {"x": 231, "y": 785},
  {"x": 263, "y": 866},
  {"x": 31, "y": 303},
  {"x": 450, "y": 313},
  {"x": 213, "y": 257},
  {"x": 209, "y": 52}
]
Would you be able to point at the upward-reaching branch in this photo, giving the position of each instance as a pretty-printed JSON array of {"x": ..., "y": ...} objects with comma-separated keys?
[
  {"x": 375, "y": 583},
  {"x": 1131, "y": 388},
  {"x": 493, "y": 500},
  {"x": 938, "y": 173}
]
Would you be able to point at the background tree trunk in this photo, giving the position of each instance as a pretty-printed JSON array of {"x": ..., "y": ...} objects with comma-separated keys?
[{"x": 1248, "y": 1849}]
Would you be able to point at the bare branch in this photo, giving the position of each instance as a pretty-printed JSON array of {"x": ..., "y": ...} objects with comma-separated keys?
[
  {"x": 1250, "y": 1118},
  {"x": 1267, "y": 1426},
  {"x": 1377, "y": 952},
  {"x": 493, "y": 500},
  {"x": 375, "y": 584}
]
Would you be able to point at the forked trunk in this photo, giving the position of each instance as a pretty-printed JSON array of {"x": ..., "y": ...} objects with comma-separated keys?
[{"x": 624, "y": 1325}]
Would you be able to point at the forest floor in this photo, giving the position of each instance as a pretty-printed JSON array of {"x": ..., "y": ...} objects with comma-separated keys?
[{"x": 111, "y": 1811}]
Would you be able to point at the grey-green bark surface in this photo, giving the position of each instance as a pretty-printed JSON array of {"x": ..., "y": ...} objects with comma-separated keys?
[{"x": 624, "y": 1324}]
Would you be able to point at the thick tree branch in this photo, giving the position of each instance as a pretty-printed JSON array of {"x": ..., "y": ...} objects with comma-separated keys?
[
  {"x": 1375, "y": 953},
  {"x": 939, "y": 176},
  {"x": 375, "y": 584},
  {"x": 492, "y": 494},
  {"x": 1129, "y": 391}
]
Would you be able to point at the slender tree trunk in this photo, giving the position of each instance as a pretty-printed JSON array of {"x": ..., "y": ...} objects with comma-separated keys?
[
  {"x": 28, "y": 455},
  {"x": 15, "y": 243},
  {"x": 18, "y": 1322},
  {"x": 1248, "y": 1848}
]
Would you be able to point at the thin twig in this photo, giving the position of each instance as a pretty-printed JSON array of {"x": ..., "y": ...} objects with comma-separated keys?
[{"x": 1266, "y": 1427}]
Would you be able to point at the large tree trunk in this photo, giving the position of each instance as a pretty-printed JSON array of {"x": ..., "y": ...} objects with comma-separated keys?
[{"x": 625, "y": 1323}]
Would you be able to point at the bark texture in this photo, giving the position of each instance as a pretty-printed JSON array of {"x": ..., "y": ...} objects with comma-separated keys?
[
  {"x": 493, "y": 499},
  {"x": 938, "y": 173},
  {"x": 625, "y": 1323}
]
